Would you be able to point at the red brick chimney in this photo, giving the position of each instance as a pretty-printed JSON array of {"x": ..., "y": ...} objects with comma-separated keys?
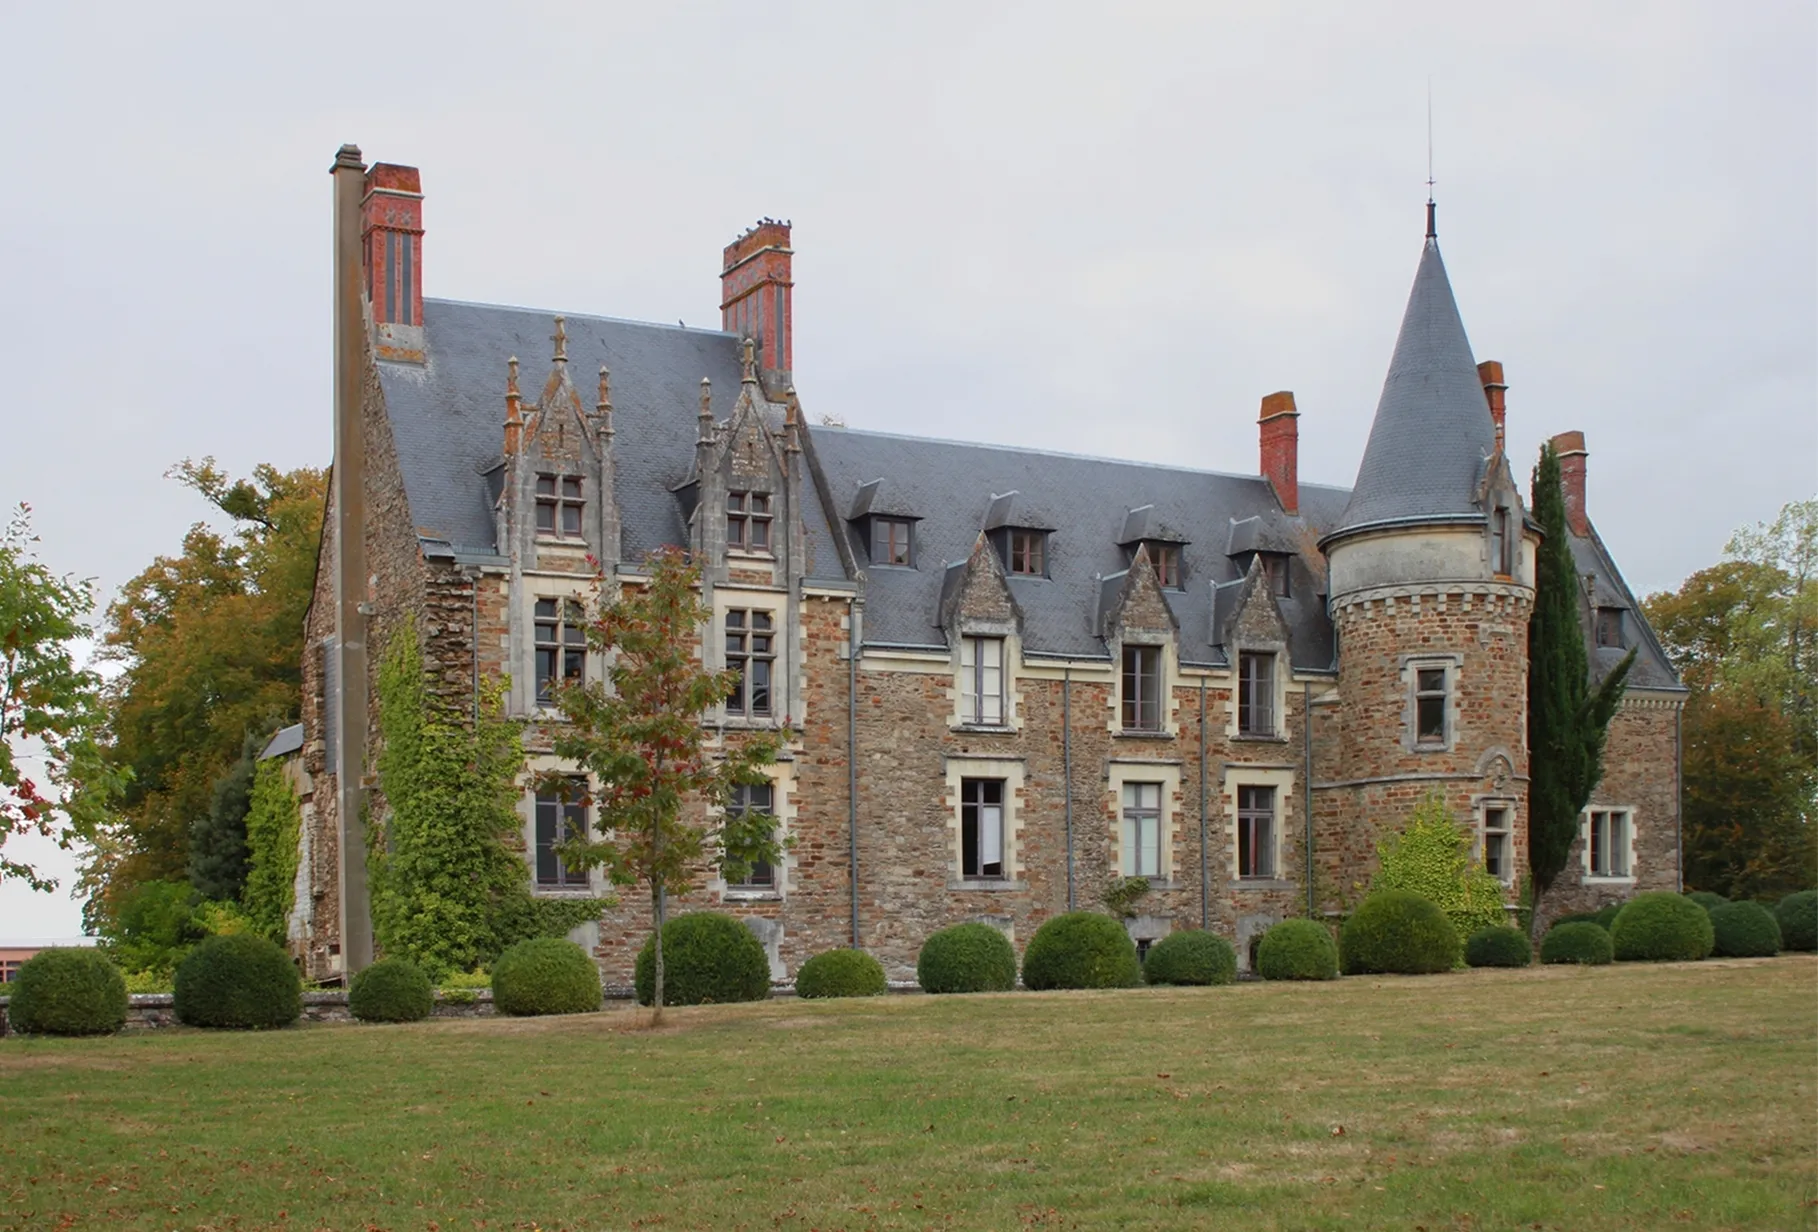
[
  {"x": 1490, "y": 373},
  {"x": 755, "y": 292},
  {"x": 391, "y": 239},
  {"x": 1279, "y": 429},
  {"x": 1570, "y": 448}
]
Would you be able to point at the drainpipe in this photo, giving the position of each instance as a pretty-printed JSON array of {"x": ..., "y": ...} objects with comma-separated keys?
[
  {"x": 1306, "y": 733},
  {"x": 1205, "y": 855},
  {"x": 1678, "y": 791},
  {"x": 1067, "y": 769},
  {"x": 473, "y": 573},
  {"x": 852, "y": 760}
]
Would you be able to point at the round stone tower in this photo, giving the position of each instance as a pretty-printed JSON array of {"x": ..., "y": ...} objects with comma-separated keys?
[{"x": 1432, "y": 579}]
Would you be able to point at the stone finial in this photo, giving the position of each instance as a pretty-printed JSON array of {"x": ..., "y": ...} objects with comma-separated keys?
[
  {"x": 560, "y": 338},
  {"x": 792, "y": 420},
  {"x": 514, "y": 419},
  {"x": 604, "y": 406},
  {"x": 706, "y": 412},
  {"x": 749, "y": 375}
]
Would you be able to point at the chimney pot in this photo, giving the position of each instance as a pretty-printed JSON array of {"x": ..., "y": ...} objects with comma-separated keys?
[
  {"x": 1489, "y": 372},
  {"x": 1279, "y": 433},
  {"x": 1572, "y": 454}
]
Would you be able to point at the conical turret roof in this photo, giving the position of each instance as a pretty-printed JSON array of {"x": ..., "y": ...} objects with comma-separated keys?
[{"x": 1432, "y": 430}]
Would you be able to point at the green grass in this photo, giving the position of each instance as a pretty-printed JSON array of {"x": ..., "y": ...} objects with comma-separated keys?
[{"x": 1639, "y": 1097}]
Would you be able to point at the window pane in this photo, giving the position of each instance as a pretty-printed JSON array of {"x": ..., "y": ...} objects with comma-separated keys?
[
  {"x": 1432, "y": 719},
  {"x": 735, "y": 501},
  {"x": 546, "y": 485},
  {"x": 546, "y": 516},
  {"x": 760, "y": 535},
  {"x": 760, "y": 502},
  {"x": 571, "y": 519},
  {"x": 547, "y": 869},
  {"x": 1432, "y": 680},
  {"x": 571, "y": 488}
]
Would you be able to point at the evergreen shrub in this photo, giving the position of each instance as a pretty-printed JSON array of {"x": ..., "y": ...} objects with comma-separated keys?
[
  {"x": 545, "y": 975},
  {"x": 1431, "y": 856},
  {"x": 240, "y": 981},
  {"x": 1576, "y": 941},
  {"x": 1398, "y": 932},
  {"x": 1297, "y": 950},
  {"x": 68, "y": 991},
  {"x": 1744, "y": 930},
  {"x": 1196, "y": 957},
  {"x": 391, "y": 990},
  {"x": 966, "y": 958},
  {"x": 1498, "y": 947},
  {"x": 1081, "y": 949},
  {"x": 841, "y": 973},
  {"x": 1660, "y": 926},
  {"x": 1708, "y": 899},
  {"x": 1797, "y": 915},
  {"x": 708, "y": 959}
]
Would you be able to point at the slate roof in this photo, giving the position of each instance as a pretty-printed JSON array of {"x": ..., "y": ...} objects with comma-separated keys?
[
  {"x": 951, "y": 486},
  {"x": 448, "y": 416},
  {"x": 284, "y": 741},
  {"x": 1652, "y": 670},
  {"x": 1432, "y": 430}
]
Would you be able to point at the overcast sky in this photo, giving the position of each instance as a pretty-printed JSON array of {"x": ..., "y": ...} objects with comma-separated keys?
[{"x": 1100, "y": 229}]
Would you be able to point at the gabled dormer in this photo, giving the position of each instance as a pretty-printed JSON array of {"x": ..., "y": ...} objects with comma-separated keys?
[
  {"x": 744, "y": 498},
  {"x": 983, "y": 626},
  {"x": 1266, "y": 543},
  {"x": 1503, "y": 515},
  {"x": 1145, "y": 530},
  {"x": 1142, "y": 635},
  {"x": 1021, "y": 535},
  {"x": 1247, "y": 622},
  {"x": 881, "y": 525}
]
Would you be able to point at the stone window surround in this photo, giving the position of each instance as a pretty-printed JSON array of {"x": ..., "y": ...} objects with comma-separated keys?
[
  {"x": 1506, "y": 500},
  {"x": 1411, "y": 664},
  {"x": 1584, "y": 843},
  {"x": 535, "y": 764},
  {"x": 1279, "y": 676},
  {"x": 1011, "y": 770},
  {"x": 782, "y": 686},
  {"x": 539, "y": 584},
  {"x": 557, "y": 537},
  {"x": 1480, "y": 806},
  {"x": 783, "y": 807},
  {"x": 1282, "y": 780},
  {"x": 1170, "y": 675},
  {"x": 1122, "y": 770},
  {"x": 1013, "y": 661}
]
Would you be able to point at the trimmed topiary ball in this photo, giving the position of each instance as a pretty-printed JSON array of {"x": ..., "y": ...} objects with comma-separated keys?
[
  {"x": 391, "y": 990},
  {"x": 1744, "y": 930},
  {"x": 1081, "y": 949},
  {"x": 1196, "y": 957},
  {"x": 1398, "y": 932},
  {"x": 708, "y": 959},
  {"x": 841, "y": 973},
  {"x": 1661, "y": 926},
  {"x": 238, "y": 981},
  {"x": 1297, "y": 950},
  {"x": 1707, "y": 899},
  {"x": 1498, "y": 947},
  {"x": 545, "y": 975},
  {"x": 966, "y": 958},
  {"x": 1797, "y": 915},
  {"x": 67, "y": 991},
  {"x": 1580, "y": 917},
  {"x": 1576, "y": 941}
]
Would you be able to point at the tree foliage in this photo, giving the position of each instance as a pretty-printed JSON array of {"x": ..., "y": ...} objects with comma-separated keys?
[
  {"x": 274, "y": 822},
  {"x": 217, "y": 839},
  {"x": 1743, "y": 635},
  {"x": 50, "y": 708},
  {"x": 662, "y": 789},
  {"x": 1568, "y": 717},
  {"x": 210, "y": 645}
]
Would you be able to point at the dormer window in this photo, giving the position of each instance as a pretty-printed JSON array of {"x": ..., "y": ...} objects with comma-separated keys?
[
  {"x": 891, "y": 541},
  {"x": 1166, "y": 559},
  {"x": 1028, "y": 553},
  {"x": 559, "y": 505},
  {"x": 1275, "y": 568},
  {"x": 748, "y": 521},
  {"x": 1609, "y": 627}
]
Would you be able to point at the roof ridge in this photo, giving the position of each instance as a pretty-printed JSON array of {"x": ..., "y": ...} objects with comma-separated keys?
[{"x": 581, "y": 316}]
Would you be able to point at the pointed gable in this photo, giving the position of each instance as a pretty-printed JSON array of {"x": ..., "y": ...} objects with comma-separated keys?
[
  {"x": 1247, "y": 613},
  {"x": 975, "y": 593},
  {"x": 1432, "y": 430},
  {"x": 1133, "y": 600}
]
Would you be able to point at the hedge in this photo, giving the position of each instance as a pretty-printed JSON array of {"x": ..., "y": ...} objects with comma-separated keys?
[
  {"x": 1708, "y": 899},
  {"x": 966, "y": 958},
  {"x": 1081, "y": 949},
  {"x": 708, "y": 959},
  {"x": 1797, "y": 915},
  {"x": 545, "y": 975},
  {"x": 1398, "y": 932},
  {"x": 1660, "y": 926},
  {"x": 1744, "y": 930},
  {"x": 841, "y": 973},
  {"x": 391, "y": 990},
  {"x": 1196, "y": 957},
  {"x": 238, "y": 981},
  {"x": 1576, "y": 941},
  {"x": 1498, "y": 947},
  {"x": 1297, "y": 950},
  {"x": 68, "y": 991}
]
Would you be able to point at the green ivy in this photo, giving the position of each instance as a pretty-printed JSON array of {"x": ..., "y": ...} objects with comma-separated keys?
[
  {"x": 1431, "y": 856},
  {"x": 274, "y": 824},
  {"x": 450, "y": 889}
]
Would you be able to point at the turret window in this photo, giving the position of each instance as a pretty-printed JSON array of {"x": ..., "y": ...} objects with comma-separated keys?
[
  {"x": 1430, "y": 696},
  {"x": 1502, "y": 542}
]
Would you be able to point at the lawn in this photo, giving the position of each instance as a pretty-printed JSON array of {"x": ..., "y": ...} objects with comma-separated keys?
[{"x": 1627, "y": 1097}]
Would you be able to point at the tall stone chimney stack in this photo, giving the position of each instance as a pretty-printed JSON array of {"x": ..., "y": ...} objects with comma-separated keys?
[
  {"x": 756, "y": 287},
  {"x": 1279, "y": 430},
  {"x": 1572, "y": 454}
]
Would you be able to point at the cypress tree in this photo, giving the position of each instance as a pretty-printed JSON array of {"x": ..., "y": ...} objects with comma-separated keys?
[{"x": 1567, "y": 718}]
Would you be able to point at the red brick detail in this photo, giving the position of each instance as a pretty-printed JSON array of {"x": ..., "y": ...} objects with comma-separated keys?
[
  {"x": 757, "y": 292},
  {"x": 1489, "y": 372},
  {"x": 1279, "y": 429},
  {"x": 391, "y": 243},
  {"x": 1572, "y": 453}
]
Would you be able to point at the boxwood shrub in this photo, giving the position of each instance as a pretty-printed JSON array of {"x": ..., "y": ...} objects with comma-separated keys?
[
  {"x": 545, "y": 975},
  {"x": 1081, "y": 949},
  {"x": 708, "y": 959},
  {"x": 1744, "y": 930},
  {"x": 841, "y": 973},
  {"x": 1498, "y": 947},
  {"x": 1707, "y": 899},
  {"x": 1576, "y": 941},
  {"x": 1297, "y": 950},
  {"x": 391, "y": 990},
  {"x": 68, "y": 991},
  {"x": 1797, "y": 915},
  {"x": 1660, "y": 926},
  {"x": 1398, "y": 932},
  {"x": 966, "y": 958},
  {"x": 238, "y": 981},
  {"x": 1196, "y": 957}
]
